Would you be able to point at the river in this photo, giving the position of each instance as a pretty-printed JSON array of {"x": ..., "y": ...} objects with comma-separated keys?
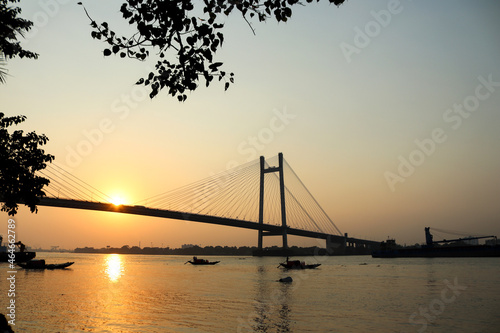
[{"x": 141, "y": 293}]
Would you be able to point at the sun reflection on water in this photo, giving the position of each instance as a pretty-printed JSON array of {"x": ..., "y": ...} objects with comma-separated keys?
[{"x": 114, "y": 267}]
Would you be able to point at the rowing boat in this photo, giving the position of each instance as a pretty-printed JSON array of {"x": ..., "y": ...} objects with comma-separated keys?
[
  {"x": 297, "y": 264},
  {"x": 40, "y": 264},
  {"x": 197, "y": 261}
]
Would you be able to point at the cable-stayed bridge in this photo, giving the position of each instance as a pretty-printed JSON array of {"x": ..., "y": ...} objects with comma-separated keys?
[{"x": 263, "y": 195}]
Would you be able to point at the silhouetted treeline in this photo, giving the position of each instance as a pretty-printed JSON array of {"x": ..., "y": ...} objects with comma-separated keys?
[{"x": 195, "y": 250}]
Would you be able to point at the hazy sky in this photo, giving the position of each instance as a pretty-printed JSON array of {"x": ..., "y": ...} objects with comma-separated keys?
[{"x": 392, "y": 119}]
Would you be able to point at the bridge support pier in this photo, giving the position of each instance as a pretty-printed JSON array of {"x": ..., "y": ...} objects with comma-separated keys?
[{"x": 263, "y": 171}]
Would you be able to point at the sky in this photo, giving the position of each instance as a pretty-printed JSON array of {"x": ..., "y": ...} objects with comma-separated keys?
[{"x": 389, "y": 113}]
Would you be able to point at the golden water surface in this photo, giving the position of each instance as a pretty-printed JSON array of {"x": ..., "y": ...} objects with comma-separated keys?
[{"x": 133, "y": 293}]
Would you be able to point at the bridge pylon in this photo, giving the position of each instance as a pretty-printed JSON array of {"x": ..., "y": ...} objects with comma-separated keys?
[{"x": 263, "y": 171}]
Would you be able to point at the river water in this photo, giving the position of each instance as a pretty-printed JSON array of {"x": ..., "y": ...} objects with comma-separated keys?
[{"x": 139, "y": 293}]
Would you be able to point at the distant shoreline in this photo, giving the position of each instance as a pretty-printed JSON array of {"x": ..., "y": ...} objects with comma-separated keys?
[{"x": 197, "y": 250}]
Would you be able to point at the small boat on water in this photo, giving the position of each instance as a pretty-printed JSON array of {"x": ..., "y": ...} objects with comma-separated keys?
[
  {"x": 18, "y": 256},
  {"x": 197, "y": 261},
  {"x": 297, "y": 264},
  {"x": 40, "y": 264},
  {"x": 15, "y": 256}
]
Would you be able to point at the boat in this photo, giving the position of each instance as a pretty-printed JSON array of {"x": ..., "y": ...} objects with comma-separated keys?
[
  {"x": 297, "y": 264},
  {"x": 40, "y": 264},
  {"x": 197, "y": 261},
  {"x": 459, "y": 247},
  {"x": 18, "y": 256}
]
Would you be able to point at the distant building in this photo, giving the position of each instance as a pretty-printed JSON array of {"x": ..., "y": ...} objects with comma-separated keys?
[{"x": 187, "y": 246}]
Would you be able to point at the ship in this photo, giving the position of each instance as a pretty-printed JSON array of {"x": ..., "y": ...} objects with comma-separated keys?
[{"x": 459, "y": 247}]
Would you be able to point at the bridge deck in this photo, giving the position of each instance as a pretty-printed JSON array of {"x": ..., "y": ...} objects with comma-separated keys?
[{"x": 145, "y": 211}]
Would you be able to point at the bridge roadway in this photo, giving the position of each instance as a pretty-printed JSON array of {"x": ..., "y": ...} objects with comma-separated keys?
[{"x": 170, "y": 214}]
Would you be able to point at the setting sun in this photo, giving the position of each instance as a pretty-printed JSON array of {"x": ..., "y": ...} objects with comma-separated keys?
[{"x": 117, "y": 200}]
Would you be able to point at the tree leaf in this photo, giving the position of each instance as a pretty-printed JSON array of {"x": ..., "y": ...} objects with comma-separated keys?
[{"x": 173, "y": 30}]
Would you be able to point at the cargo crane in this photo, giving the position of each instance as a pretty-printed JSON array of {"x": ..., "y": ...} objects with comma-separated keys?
[{"x": 430, "y": 242}]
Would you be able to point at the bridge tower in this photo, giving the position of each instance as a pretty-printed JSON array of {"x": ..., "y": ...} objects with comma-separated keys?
[{"x": 263, "y": 171}]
